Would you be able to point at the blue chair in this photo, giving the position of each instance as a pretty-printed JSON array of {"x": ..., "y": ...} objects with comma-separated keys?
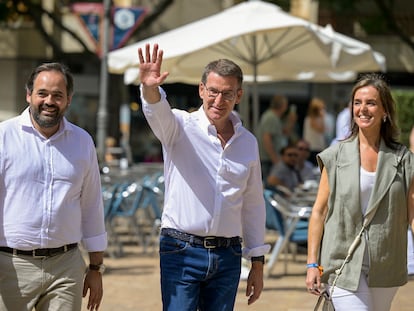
[
  {"x": 110, "y": 195},
  {"x": 125, "y": 206},
  {"x": 290, "y": 222},
  {"x": 139, "y": 203},
  {"x": 152, "y": 203}
]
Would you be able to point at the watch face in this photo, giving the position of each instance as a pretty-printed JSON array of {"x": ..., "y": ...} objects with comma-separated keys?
[{"x": 101, "y": 269}]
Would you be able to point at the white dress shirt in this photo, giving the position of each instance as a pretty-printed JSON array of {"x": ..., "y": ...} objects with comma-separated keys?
[
  {"x": 50, "y": 190},
  {"x": 210, "y": 191},
  {"x": 343, "y": 125}
]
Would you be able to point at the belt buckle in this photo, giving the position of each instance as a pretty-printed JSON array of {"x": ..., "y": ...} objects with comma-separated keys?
[
  {"x": 36, "y": 256},
  {"x": 206, "y": 239}
]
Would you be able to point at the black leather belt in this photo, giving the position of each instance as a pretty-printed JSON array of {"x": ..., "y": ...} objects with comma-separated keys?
[
  {"x": 40, "y": 252},
  {"x": 206, "y": 242}
]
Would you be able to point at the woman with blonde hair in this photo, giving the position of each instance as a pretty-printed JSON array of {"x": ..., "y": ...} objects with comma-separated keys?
[{"x": 314, "y": 128}]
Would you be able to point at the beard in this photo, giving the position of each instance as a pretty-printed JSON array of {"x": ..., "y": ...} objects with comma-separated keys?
[{"x": 51, "y": 120}]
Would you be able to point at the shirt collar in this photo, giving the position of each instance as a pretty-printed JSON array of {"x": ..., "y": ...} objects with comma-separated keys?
[
  {"x": 26, "y": 122},
  {"x": 205, "y": 122}
]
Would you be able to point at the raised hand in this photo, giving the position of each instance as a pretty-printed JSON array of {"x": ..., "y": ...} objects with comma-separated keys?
[{"x": 150, "y": 67}]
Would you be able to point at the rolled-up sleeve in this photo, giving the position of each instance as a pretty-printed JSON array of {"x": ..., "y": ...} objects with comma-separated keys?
[
  {"x": 254, "y": 216},
  {"x": 94, "y": 237}
]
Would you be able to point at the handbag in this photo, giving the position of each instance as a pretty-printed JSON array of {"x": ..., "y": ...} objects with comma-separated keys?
[{"x": 324, "y": 302}]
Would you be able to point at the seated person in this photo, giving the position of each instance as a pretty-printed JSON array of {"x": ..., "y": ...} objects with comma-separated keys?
[
  {"x": 304, "y": 166},
  {"x": 284, "y": 175}
]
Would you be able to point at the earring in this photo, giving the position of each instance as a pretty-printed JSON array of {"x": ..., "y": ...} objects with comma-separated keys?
[{"x": 384, "y": 119}]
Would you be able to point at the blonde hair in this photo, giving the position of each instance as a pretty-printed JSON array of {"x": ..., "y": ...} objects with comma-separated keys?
[{"x": 315, "y": 106}]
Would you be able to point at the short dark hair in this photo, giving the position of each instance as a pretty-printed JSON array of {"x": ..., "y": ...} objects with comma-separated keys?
[
  {"x": 287, "y": 147},
  {"x": 225, "y": 68},
  {"x": 51, "y": 67},
  {"x": 278, "y": 101}
]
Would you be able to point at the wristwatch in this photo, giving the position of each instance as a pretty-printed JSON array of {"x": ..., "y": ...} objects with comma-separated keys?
[
  {"x": 258, "y": 258},
  {"x": 100, "y": 268}
]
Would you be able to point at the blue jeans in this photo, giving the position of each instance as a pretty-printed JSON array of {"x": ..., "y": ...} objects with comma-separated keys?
[{"x": 195, "y": 277}]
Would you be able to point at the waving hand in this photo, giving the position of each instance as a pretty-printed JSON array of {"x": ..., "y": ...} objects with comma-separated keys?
[{"x": 150, "y": 67}]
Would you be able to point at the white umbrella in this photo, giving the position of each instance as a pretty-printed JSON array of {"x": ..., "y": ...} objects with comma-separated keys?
[{"x": 266, "y": 42}]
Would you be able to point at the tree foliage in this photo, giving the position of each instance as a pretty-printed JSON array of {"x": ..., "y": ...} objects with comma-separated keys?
[
  {"x": 375, "y": 16},
  {"x": 405, "y": 112},
  {"x": 381, "y": 19}
]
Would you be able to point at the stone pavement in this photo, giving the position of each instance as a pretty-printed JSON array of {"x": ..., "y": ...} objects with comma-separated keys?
[{"x": 131, "y": 283}]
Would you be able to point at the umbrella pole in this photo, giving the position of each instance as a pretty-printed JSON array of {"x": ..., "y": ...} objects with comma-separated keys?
[
  {"x": 255, "y": 90},
  {"x": 255, "y": 105}
]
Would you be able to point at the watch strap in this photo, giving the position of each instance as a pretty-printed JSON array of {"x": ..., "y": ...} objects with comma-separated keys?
[
  {"x": 258, "y": 258},
  {"x": 100, "y": 268}
]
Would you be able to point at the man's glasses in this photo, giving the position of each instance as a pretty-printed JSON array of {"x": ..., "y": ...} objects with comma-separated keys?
[
  {"x": 292, "y": 155},
  {"x": 227, "y": 96},
  {"x": 303, "y": 149}
]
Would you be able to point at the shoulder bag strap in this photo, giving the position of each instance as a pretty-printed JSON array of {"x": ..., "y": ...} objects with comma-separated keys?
[{"x": 367, "y": 220}]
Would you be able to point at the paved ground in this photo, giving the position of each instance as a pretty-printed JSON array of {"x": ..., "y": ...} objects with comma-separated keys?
[{"x": 131, "y": 283}]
